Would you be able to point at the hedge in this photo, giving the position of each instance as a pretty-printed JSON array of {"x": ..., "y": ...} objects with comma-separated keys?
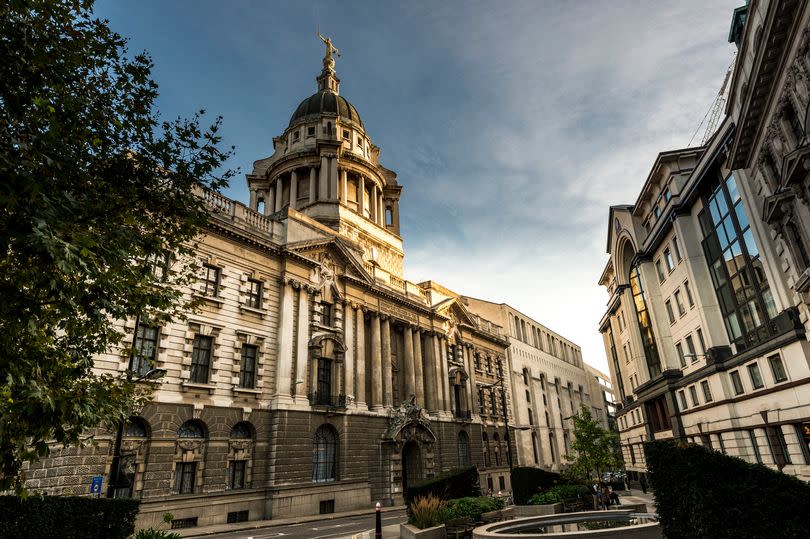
[
  {"x": 560, "y": 493},
  {"x": 67, "y": 517},
  {"x": 704, "y": 493},
  {"x": 457, "y": 483},
  {"x": 527, "y": 481},
  {"x": 471, "y": 508}
]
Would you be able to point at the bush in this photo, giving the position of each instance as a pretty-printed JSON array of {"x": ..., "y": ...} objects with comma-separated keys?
[
  {"x": 704, "y": 493},
  {"x": 66, "y": 517},
  {"x": 426, "y": 512},
  {"x": 560, "y": 493},
  {"x": 152, "y": 533},
  {"x": 527, "y": 481},
  {"x": 471, "y": 507},
  {"x": 457, "y": 483}
]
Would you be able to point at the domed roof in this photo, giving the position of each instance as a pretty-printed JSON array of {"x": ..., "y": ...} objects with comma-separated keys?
[{"x": 326, "y": 102}]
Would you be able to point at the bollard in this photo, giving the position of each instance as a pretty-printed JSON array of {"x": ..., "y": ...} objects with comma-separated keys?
[{"x": 378, "y": 527}]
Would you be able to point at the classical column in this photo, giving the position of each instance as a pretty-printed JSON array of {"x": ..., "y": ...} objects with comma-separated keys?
[
  {"x": 323, "y": 179},
  {"x": 437, "y": 373},
  {"x": 253, "y": 199},
  {"x": 293, "y": 189},
  {"x": 302, "y": 355},
  {"x": 372, "y": 202},
  {"x": 360, "y": 358},
  {"x": 469, "y": 368},
  {"x": 388, "y": 386},
  {"x": 279, "y": 193},
  {"x": 376, "y": 363},
  {"x": 430, "y": 373},
  {"x": 348, "y": 339},
  {"x": 333, "y": 179},
  {"x": 381, "y": 212},
  {"x": 284, "y": 350},
  {"x": 418, "y": 370},
  {"x": 312, "y": 187},
  {"x": 361, "y": 196},
  {"x": 407, "y": 366},
  {"x": 270, "y": 203},
  {"x": 445, "y": 376},
  {"x": 344, "y": 186}
]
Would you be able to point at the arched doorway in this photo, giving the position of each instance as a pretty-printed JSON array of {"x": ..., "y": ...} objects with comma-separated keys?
[{"x": 411, "y": 464}]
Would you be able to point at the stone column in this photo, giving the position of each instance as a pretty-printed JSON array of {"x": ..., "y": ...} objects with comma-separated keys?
[
  {"x": 418, "y": 370},
  {"x": 376, "y": 363},
  {"x": 348, "y": 339},
  {"x": 468, "y": 352},
  {"x": 387, "y": 374},
  {"x": 293, "y": 189},
  {"x": 279, "y": 193},
  {"x": 361, "y": 196},
  {"x": 381, "y": 212},
  {"x": 360, "y": 358},
  {"x": 333, "y": 179},
  {"x": 407, "y": 366},
  {"x": 302, "y": 355},
  {"x": 270, "y": 203},
  {"x": 252, "y": 199},
  {"x": 323, "y": 179},
  {"x": 344, "y": 186},
  {"x": 430, "y": 374},
  {"x": 372, "y": 203},
  {"x": 445, "y": 376},
  {"x": 284, "y": 350},
  {"x": 313, "y": 189},
  {"x": 437, "y": 373}
]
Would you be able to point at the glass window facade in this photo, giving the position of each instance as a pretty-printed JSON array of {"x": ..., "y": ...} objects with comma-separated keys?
[
  {"x": 737, "y": 272},
  {"x": 644, "y": 323}
]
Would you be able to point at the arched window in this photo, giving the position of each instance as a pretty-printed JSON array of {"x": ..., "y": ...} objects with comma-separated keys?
[
  {"x": 324, "y": 454},
  {"x": 260, "y": 205},
  {"x": 191, "y": 429},
  {"x": 241, "y": 431},
  {"x": 389, "y": 216},
  {"x": 463, "y": 449},
  {"x": 535, "y": 448},
  {"x": 136, "y": 428}
]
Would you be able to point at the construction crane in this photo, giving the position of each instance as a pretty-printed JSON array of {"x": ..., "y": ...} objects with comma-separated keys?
[{"x": 715, "y": 112}]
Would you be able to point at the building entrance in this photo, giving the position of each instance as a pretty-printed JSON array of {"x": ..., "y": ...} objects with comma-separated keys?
[{"x": 411, "y": 464}]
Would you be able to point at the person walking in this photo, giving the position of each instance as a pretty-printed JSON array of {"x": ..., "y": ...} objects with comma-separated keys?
[{"x": 644, "y": 483}]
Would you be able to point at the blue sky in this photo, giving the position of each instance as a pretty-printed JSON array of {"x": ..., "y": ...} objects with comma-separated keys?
[{"x": 513, "y": 126}]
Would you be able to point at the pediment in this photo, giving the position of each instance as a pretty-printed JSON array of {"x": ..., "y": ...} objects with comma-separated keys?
[
  {"x": 334, "y": 256},
  {"x": 456, "y": 313}
]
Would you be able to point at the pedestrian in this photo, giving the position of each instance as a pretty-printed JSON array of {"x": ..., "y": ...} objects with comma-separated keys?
[
  {"x": 614, "y": 498},
  {"x": 643, "y": 483},
  {"x": 605, "y": 495}
]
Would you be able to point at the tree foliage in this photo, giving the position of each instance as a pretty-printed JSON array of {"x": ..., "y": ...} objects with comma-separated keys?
[
  {"x": 94, "y": 189},
  {"x": 593, "y": 448}
]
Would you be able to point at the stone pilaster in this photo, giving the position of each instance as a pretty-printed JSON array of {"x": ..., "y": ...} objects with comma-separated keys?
[
  {"x": 418, "y": 371},
  {"x": 361, "y": 203},
  {"x": 407, "y": 366},
  {"x": 344, "y": 186},
  {"x": 293, "y": 189},
  {"x": 445, "y": 375},
  {"x": 437, "y": 373},
  {"x": 430, "y": 373},
  {"x": 376, "y": 363},
  {"x": 360, "y": 359},
  {"x": 333, "y": 179},
  {"x": 270, "y": 203},
  {"x": 279, "y": 193},
  {"x": 313, "y": 188},
  {"x": 323, "y": 179},
  {"x": 284, "y": 350},
  {"x": 302, "y": 355},
  {"x": 349, "y": 358},
  {"x": 387, "y": 374}
]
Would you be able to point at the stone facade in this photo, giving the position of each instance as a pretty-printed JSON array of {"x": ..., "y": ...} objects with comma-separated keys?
[
  {"x": 314, "y": 377},
  {"x": 705, "y": 329},
  {"x": 549, "y": 383}
]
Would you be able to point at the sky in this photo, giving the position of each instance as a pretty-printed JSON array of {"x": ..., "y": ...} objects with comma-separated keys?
[{"x": 512, "y": 126}]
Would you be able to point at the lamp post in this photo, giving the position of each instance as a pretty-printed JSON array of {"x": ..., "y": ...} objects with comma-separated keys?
[{"x": 115, "y": 472}]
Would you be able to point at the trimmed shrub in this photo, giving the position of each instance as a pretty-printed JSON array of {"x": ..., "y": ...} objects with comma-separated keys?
[
  {"x": 560, "y": 493},
  {"x": 426, "y": 512},
  {"x": 471, "y": 507},
  {"x": 527, "y": 481},
  {"x": 66, "y": 517},
  {"x": 457, "y": 483},
  {"x": 704, "y": 493}
]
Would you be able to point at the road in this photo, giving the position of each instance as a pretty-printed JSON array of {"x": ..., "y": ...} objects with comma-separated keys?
[{"x": 324, "y": 529}]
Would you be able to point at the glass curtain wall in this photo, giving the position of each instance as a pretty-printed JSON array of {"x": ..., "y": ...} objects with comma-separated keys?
[{"x": 644, "y": 323}]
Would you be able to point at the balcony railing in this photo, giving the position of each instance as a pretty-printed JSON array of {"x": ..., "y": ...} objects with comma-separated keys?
[{"x": 327, "y": 399}]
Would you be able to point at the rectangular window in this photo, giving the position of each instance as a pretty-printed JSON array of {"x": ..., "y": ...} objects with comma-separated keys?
[
  {"x": 326, "y": 314},
  {"x": 679, "y": 303},
  {"x": 707, "y": 391},
  {"x": 160, "y": 266},
  {"x": 659, "y": 270},
  {"x": 311, "y": 131},
  {"x": 682, "y": 399},
  {"x": 347, "y": 135},
  {"x": 780, "y": 437},
  {"x": 247, "y": 371},
  {"x": 679, "y": 349},
  {"x": 145, "y": 351},
  {"x": 688, "y": 294},
  {"x": 753, "y": 438},
  {"x": 701, "y": 341},
  {"x": 210, "y": 281},
  {"x": 676, "y": 246},
  {"x": 693, "y": 394},
  {"x": 670, "y": 314},
  {"x": 254, "y": 294},
  {"x": 296, "y": 135},
  {"x": 736, "y": 382},
  {"x": 481, "y": 402},
  {"x": 201, "y": 359},
  {"x": 690, "y": 345},
  {"x": 755, "y": 375},
  {"x": 236, "y": 475},
  {"x": 803, "y": 434},
  {"x": 184, "y": 477},
  {"x": 668, "y": 259},
  {"x": 777, "y": 369}
]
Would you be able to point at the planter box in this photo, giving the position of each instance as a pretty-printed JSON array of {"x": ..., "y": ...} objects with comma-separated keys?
[
  {"x": 537, "y": 510},
  {"x": 406, "y": 531}
]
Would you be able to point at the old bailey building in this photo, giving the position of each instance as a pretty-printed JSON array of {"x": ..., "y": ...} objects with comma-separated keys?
[{"x": 315, "y": 378}]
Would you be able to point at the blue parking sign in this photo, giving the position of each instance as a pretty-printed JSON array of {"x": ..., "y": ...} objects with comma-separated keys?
[{"x": 95, "y": 485}]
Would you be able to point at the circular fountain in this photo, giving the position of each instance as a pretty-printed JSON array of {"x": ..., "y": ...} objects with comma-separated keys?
[{"x": 626, "y": 524}]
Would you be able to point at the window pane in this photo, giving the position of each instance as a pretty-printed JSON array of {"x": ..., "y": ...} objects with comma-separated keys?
[
  {"x": 742, "y": 218},
  {"x": 750, "y": 244},
  {"x": 733, "y": 193}
]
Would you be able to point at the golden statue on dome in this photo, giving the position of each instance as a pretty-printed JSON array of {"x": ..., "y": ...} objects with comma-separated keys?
[{"x": 328, "y": 61}]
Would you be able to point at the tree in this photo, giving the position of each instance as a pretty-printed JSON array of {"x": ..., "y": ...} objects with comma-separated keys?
[
  {"x": 594, "y": 448},
  {"x": 95, "y": 190}
]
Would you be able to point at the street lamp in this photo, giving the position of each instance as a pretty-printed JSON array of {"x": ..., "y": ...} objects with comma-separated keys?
[{"x": 115, "y": 472}]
